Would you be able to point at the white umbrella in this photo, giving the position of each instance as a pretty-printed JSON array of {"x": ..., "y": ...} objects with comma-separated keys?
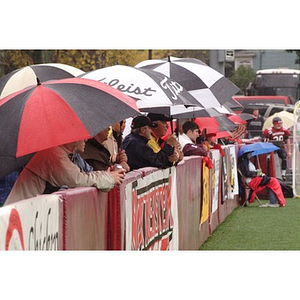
[
  {"x": 24, "y": 77},
  {"x": 152, "y": 89},
  {"x": 287, "y": 120}
]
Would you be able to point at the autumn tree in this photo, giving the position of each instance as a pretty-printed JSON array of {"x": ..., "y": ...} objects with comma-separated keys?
[{"x": 88, "y": 60}]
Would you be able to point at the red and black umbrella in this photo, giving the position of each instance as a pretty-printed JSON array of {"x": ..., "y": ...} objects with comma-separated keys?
[
  {"x": 55, "y": 113},
  {"x": 26, "y": 76}
]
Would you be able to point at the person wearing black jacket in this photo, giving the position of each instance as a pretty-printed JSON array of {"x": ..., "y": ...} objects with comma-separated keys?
[{"x": 139, "y": 154}]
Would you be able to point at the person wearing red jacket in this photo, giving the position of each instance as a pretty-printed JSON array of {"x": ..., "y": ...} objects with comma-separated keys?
[
  {"x": 280, "y": 137},
  {"x": 258, "y": 181}
]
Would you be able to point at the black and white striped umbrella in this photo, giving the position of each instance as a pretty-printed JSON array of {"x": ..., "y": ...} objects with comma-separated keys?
[
  {"x": 22, "y": 78},
  {"x": 208, "y": 86},
  {"x": 151, "y": 89}
]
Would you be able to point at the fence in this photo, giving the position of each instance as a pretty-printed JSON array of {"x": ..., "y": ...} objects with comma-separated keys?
[{"x": 170, "y": 209}]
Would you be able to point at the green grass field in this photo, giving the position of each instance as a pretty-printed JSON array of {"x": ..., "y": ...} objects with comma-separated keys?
[{"x": 258, "y": 228}]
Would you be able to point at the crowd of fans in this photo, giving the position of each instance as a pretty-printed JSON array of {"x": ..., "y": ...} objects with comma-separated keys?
[{"x": 103, "y": 160}]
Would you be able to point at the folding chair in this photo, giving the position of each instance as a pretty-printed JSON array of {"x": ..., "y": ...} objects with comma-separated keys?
[{"x": 246, "y": 188}]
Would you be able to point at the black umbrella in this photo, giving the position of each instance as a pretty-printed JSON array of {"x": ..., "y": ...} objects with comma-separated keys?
[
  {"x": 55, "y": 113},
  {"x": 208, "y": 86}
]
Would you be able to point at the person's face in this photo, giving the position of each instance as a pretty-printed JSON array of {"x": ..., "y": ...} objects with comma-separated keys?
[
  {"x": 146, "y": 132},
  {"x": 193, "y": 134},
  {"x": 255, "y": 113},
  {"x": 161, "y": 129},
  {"x": 117, "y": 128},
  {"x": 277, "y": 125}
]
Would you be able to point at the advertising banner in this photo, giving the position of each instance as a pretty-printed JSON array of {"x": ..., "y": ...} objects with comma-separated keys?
[
  {"x": 215, "y": 175},
  {"x": 31, "y": 224},
  {"x": 234, "y": 187},
  {"x": 205, "y": 194},
  {"x": 151, "y": 212}
]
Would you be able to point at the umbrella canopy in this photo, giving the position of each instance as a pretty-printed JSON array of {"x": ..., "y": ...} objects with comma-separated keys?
[
  {"x": 180, "y": 111},
  {"x": 220, "y": 123},
  {"x": 208, "y": 86},
  {"x": 287, "y": 119},
  {"x": 24, "y": 77},
  {"x": 151, "y": 89},
  {"x": 257, "y": 148},
  {"x": 241, "y": 118},
  {"x": 55, "y": 113}
]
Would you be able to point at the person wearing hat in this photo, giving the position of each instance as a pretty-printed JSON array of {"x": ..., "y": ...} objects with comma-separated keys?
[
  {"x": 156, "y": 141},
  {"x": 280, "y": 137},
  {"x": 257, "y": 181},
  {"x": 139, "y": 153}
]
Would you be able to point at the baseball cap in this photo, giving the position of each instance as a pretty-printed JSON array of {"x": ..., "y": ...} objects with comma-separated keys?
[
  {"x": 141, "y": 121},
  {"x": 158, "y": 117},
  {"x": 277, "y": 120}
]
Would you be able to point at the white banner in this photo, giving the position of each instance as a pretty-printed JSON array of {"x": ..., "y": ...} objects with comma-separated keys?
[
  {"x": 215, "y": 175},
  {"x": 31, "y": 224},
  {"x": 151, "y": 212},
  {"x": 234, "y": 187}
]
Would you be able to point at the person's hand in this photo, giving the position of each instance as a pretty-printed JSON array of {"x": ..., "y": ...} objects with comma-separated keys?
[
  {"x": 172, "y": 141},
  {"x": 180, "y": 156},
  {"x": 122, "y": 156},
  {"x": 289, "y": 154},
  {"x": 259, "y": 172},
  {"x": 118, "y": 175},
  {"x": 174, "y": 157}
]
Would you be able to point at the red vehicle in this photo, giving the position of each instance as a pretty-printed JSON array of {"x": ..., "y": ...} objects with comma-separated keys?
[{"x": 251, "y": 100}]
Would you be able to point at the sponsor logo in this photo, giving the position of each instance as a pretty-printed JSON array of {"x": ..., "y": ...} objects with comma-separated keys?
[{"x": 152, "y": 221}]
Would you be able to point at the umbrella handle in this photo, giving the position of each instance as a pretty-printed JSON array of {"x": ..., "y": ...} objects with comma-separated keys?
[{"x": 258, "y": 161}]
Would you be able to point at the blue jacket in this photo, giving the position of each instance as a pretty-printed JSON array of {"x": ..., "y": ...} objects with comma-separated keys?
[{"x": 140, "y": 155}]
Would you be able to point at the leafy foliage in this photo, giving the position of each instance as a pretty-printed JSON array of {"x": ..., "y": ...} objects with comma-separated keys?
[
  {"x": 242, "y": 77},
  {"x": 88, "y": 60},
  {"x": 297, "y": 60}
]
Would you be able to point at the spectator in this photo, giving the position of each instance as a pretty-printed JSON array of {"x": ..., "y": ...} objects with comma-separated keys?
[
  {"x": 114, "y": 140},
  {"x": 211, "y": 143},
  {"x": 78, "y": 160},
  {"x": 254, "y": 126},
  {"x": 188, "y": 140},
  {"x": 98, "y": 156},
  {"x": 53, "y": 166},
  {"x": 139, "y": 153},
  {"x": 279, "y": 136},
  {"x": 160, "y": 130},
  {"x": 258, "y": 181}
]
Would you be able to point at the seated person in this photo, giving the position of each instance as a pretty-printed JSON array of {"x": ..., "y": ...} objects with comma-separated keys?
[
  {"x": 139, "y": 154},
  {"x": 158, "y": 132},
  {"x": 53, "y": 166},
  {"x": 98, "y": 156},
  {"x": 258, "y": 181},
  {"x": 188, "y": 139}
]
